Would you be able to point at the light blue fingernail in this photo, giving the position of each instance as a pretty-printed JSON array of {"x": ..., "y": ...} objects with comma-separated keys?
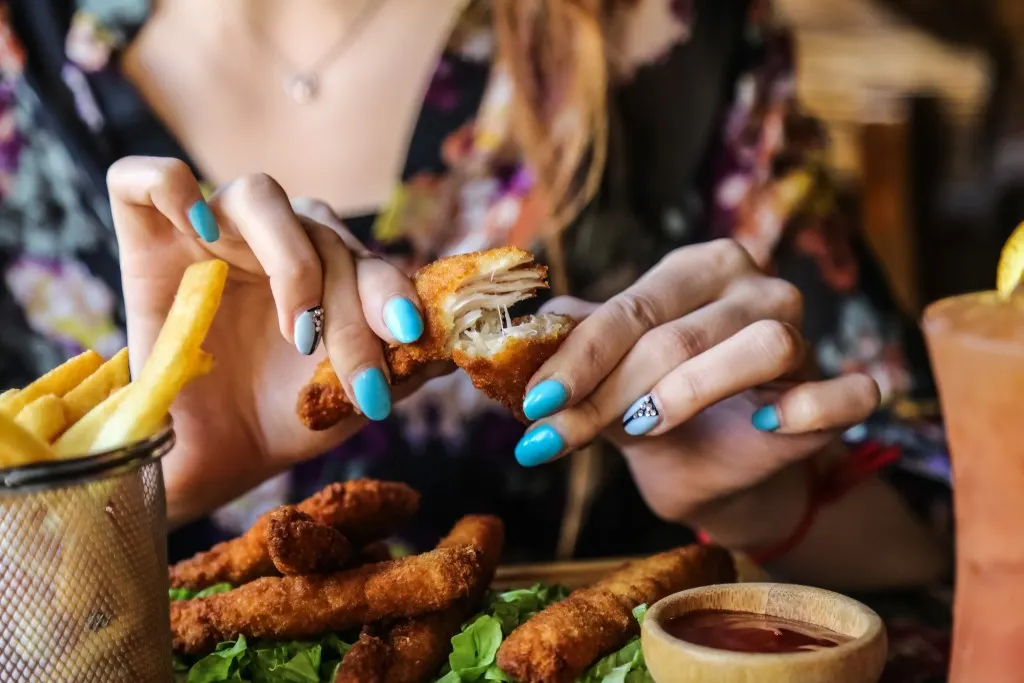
[
  {"x": 373, "y": 395},
  {"x": 544, "y": 399},
  {"x": 642, "y": 417},
  {"x": 404, "y": 321},
  {"x": 539, "y": 446},
  {"x": 766, "y": 419},
  {"x": 203, "y": 222},
  {"x": 308, "y": 330}
]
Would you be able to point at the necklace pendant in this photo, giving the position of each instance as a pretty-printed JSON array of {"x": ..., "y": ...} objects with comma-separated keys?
[{"x": 302, "y": 88}]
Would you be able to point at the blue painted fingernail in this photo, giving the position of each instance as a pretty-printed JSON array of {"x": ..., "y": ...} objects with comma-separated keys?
[
  {"x": 544, "y": 399},
  {"x": 373, "y": 395},
  {"x": 642, "y": 417},
  {"x": 203, "y": 222},
  {"x": 538, "y": 446},
  {"x": 404, "y": 321},
  {"x": 766, "y": 419}
]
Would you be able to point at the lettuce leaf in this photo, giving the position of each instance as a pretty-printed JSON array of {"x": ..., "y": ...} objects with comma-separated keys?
[
  {"x": 220, "y": 665},
  {"x": 472, "y": 659},
  {"x": 186, "y": 594},
  {"x": 269, "y": 662},
  {"x": 625, "y": 666}
]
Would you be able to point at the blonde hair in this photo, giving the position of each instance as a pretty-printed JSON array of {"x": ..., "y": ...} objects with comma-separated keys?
[{"x": 556, "y": 53}]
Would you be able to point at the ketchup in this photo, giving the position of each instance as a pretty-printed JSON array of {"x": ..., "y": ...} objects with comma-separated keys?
[{"x": 751, "y": 633}]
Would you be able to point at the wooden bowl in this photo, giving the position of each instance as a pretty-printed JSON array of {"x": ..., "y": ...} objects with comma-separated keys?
[{"x": 861, "y": 660}]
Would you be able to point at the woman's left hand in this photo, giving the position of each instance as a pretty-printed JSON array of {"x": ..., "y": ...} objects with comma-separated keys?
[{"x": 696, "y": 373}]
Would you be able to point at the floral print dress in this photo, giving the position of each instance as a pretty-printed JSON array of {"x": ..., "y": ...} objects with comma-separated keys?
[{"x": 66, "y": 113}]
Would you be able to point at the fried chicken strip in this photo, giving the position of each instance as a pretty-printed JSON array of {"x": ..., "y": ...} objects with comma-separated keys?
[
  {"x": 298, "y": 545},
  {"x": 363, "y": 510},
  {"x": 466, "y": 300},
  {"x": 366, "y": 662},
  {"x": 418, "y": 647},
  {"x": 558, "y": 644},
  {"x": 501, "y": 364},
  {"x": 296, "y": 607}
]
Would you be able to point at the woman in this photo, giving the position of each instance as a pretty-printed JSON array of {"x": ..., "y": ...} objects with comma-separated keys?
[{"x": 493, "y": 121}]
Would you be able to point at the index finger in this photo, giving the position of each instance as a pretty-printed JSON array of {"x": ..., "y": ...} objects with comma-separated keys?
[{"x": 682, "y": 282}]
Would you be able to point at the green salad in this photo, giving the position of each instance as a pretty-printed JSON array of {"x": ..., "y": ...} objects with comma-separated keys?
[{"x": 472, "y": 657}]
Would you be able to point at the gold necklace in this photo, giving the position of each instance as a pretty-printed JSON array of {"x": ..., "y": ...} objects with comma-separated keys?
[{"x": 303, "y": 85}]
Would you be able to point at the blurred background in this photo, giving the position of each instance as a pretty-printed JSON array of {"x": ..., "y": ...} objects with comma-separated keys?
[{"x": 924, "y": 101}]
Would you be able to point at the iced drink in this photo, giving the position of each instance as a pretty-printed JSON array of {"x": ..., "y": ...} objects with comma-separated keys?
[{"x": 976, "y": 343}]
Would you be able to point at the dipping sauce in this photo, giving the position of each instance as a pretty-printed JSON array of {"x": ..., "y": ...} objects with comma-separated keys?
[{"x": 751, "y": 633}]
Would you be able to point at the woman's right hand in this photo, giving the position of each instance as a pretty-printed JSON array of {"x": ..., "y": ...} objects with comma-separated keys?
[{"x": 237, "y": 426}]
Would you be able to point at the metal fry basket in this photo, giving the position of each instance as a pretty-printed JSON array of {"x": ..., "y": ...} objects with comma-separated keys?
[{"x": 83, "y": 569}]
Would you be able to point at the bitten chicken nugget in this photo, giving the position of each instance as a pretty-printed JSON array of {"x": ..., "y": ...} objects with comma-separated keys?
[
  {"x": 297, "y": 607},
  {"x": 465, "y": 300},
  {"x": 559, "y": 643},
  {"x": 363, "y": 510},
  {"x": 501, "y": 364},
  {"x": 298, "y": 545}
]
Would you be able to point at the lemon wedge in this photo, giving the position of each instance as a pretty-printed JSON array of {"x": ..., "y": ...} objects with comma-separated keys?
[{"x": 1011, "y": 263}]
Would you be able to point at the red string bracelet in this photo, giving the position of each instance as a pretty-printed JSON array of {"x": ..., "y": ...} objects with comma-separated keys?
[{"x": 825, "y": 488}]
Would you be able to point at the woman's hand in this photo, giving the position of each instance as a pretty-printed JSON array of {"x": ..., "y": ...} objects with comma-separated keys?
[
  {"x": 694, "y": 372},
  {"x": 237, "y": 426}
]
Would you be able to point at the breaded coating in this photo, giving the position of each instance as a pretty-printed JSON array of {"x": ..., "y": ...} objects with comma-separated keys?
[
  {"x": 486, "y": 533},
  {"x": 459, "y": 295},
  {"x": 418, "y": 647},
  {"x": 297, "y": 607},
  {"x": 503, "y": 375},
  {"x": 421, "y": 645},
  {"x": 363, "y": 510},
  {"x": 298, "y": 545},
  {"x": 366, "y": 662},
  {"x": 558, "y": 644}
]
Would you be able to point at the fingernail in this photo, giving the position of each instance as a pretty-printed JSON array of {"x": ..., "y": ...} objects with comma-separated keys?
[
  {"x": 308, "y": 330},
  {"x": 373, "y": 395},
  {"x": 402, "y": 318},
  {"x": 642, "y": 417},
  {"x": 544, "y": 399},
  {"x": 766, "y": 419},
  {"x": 203, "y": 222},
  {"x": 539, "y": 446}
]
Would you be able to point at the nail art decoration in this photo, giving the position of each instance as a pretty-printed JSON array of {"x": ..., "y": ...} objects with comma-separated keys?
[
  {"x": 309, "y": 330},
  {"x": 642, "y": 417}
]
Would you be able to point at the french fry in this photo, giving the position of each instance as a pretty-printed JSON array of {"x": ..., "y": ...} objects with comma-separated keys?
[
  {"x": 5, "y": 398},
  {"x": 79, "y": 437},
  {"x": 18, "y": 446},
  {"x": 45, "y": 417},
  {"x": 58, "y": 382},
  {"x": 168, "y": 367},
  {"x": 95, "y": 388}
]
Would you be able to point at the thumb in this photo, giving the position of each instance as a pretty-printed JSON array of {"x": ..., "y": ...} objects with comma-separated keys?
[{"x": 577, "y": 309}]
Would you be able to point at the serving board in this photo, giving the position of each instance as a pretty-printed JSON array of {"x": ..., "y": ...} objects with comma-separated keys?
[{"x": 580, "y": 573}]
